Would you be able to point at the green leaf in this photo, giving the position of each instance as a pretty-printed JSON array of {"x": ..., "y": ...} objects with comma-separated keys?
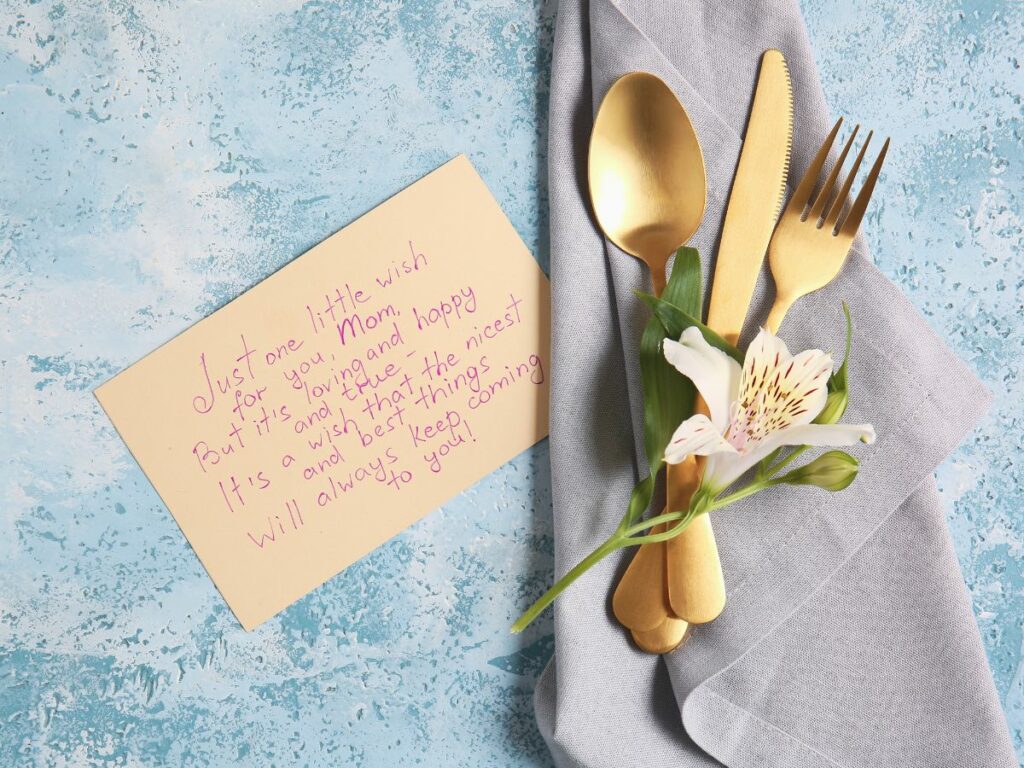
[
  {"x": 668, "y": 395},
  {"x": 676, "y": 319},
  {"x": 838, "y": 383},
  {"x": 839, "y": 378},
  {"x": 639, "y": 499}
]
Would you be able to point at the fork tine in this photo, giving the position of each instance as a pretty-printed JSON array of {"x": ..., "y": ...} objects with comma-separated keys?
[
  {"x": 810, "y": 179},
  {"x": 852, "y": 221},
  {"x": 826, "y": 188},
  {"x": 840, "y": 201}
]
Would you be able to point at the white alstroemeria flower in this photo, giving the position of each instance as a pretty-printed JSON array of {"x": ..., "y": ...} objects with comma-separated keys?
[{"x": 769, "y": 403}]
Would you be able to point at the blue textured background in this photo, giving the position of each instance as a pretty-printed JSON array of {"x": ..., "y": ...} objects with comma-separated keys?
[{"x": 157, "y": 159}]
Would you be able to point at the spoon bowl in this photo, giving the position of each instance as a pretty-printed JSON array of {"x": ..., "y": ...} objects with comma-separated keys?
[{"x": 647, "y": 182}]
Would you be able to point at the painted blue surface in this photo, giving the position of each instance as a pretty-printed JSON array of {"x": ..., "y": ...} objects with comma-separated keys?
[{"x": 157, "y": 159}]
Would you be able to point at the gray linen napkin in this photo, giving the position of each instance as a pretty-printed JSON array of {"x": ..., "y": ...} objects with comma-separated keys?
[{"x": 848, "y": 639}]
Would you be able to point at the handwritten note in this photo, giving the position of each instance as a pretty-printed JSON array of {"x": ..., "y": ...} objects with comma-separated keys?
[{"x": 346, "y": 396}]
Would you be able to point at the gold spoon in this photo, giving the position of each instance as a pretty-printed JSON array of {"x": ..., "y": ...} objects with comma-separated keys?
[
  {"x": 646, "y": 171},
  {"x": 648, "y": 190}
]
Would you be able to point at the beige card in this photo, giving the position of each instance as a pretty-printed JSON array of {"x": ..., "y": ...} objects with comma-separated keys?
[{"x": 346, "y": 396}]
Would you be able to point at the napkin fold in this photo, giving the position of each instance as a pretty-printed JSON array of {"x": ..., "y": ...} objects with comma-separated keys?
[{"x": 848, "y": 638}]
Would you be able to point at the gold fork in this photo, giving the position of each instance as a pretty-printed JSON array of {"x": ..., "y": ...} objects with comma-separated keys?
[{"x": 810, "y": 245}]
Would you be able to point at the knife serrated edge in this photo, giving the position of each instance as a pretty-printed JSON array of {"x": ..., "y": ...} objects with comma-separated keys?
[
  {"x": 789, "y": 140},
  {"x": 749, "y": 221}
]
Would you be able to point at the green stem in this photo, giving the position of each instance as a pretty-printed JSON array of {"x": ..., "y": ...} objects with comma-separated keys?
[
  {"x": 612, "y": 544},
  {"x": 620, "y": 539},
  {"x": 742, "y": 493},
  {"x": 796, "y": 452},
  {"x": 667, "y": 517},
  {"x": 625, "y": 536}
]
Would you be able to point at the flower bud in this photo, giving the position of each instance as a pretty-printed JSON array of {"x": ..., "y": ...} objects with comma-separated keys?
[
  {"x": 835, "y": 407},
  {"x": 832, "y": 471}
]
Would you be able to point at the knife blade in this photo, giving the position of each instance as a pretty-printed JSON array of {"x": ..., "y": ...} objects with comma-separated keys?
[
  {"x": 696, "y": 585},
  {"x": 756, "y": 198}
]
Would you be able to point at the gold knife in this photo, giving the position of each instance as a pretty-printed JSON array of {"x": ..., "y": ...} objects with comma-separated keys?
[{"x": 696, "y": 587}]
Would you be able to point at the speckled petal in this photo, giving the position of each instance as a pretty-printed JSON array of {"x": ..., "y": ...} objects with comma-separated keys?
[{"x": 697, "y": 435}]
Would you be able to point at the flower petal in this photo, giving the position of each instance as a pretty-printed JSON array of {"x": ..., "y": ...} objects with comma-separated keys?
[
  {"x": 827, "y": 434},
  {"x": 805, "y": 378},
  {"x": 697, "y": 435},
  {"x": 724, "y": 469},
  {"x": 715, "y": 375},
  {"x": 766, "y": 348},
  {"x": 777, "y": 391}
]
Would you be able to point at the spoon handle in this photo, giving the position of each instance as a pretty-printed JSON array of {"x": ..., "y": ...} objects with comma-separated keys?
[
  {"x": 641, "y": 601},
  {"x": 658, "y": 279}
]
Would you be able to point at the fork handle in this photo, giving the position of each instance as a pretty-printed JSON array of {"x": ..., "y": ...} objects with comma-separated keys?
[{"x": 778, "y": 312}]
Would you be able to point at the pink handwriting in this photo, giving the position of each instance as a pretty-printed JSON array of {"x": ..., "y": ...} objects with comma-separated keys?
[
  {"x": 399, "y": 269},
  {"x": 531, "y": 370},
  {"x": 493, "y": 329},
  {"x": 276, "y": 526},
  {"x": 209, "y": 456},
  {"x": 358, "y": 323},
  {"x": 233, "y": 490},
  {"x": 341, "y": 302},
  {"x": 282, "y": 351},
  {"x": 456, "y": 436},
  {"x": 235, "y": 377},
  {"x": 445, "y": 311}
]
